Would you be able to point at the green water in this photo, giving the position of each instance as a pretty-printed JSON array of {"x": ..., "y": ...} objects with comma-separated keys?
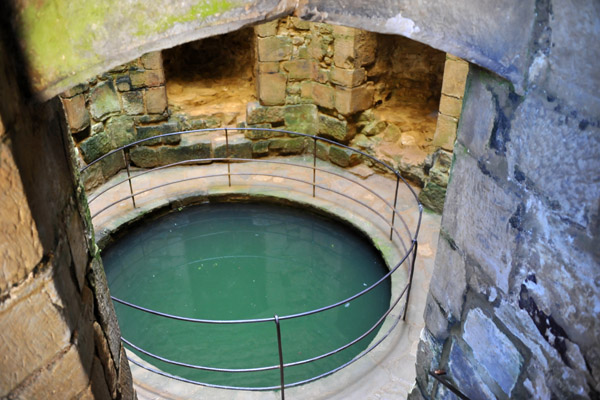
[{"x": 246, "y": 261}]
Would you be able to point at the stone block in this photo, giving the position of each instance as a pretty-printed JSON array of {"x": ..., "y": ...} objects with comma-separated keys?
[
  {"x": 492, "y": 350},
  {"x": 133, "y": 102},
  {"x": 120, "y": 129},
  {"x": 266, "y": 29},
  {"x": 300, "y": 24},
  {"x": 333, "y": 128},
  {"x": 320, "y": 75},
  {"x": 33, "y": 311},
  {"x": 152, "y": 60},
  {"x": 156, "y": 100},
  {"x": 433, "y": 196},
  {"x": 112, "y": 164},
  {"x": 144, "y": 132},
  {"x": 95, "y": 146},
  {"x": 239, "y": 147},
  {"x": 261, "y": 134},
  {"x": 302, "y": 118},
  {"x": 455, "y": 77},
  {"x": 299, "y": 69},
  {"x": 465, "y": 376},
  {"x": 323, "y": 95},
  {"x": 268, "y": 67},
  {"x": 450, "y": 106},
  {"x": 288, "y": 146},
  {"x": 75, "y": 90},
  {"x": 348, "y": 77},
  {"x": 77, "y": 114},
  {"x": 374, "y": 128},
  {"x": 16, "y": 223},
  {"x": 146, "y": 78},
  {"x": 306, "y": 92},
  {"x": 152, "y": 118},
  {"x": 317, "y": 47},
  {"x": 103, "y": 350},
  {"x": 274, "y": 48},
  {"x": 98, "y": 381},
  {"x": 349, "y": 101},
  {"x": 260, "y": 148},
  {"x": 123, "y": 83},
  {"x": 78, "y": 246},
  {"x": 353, "y": 48},
  {"x": 149, "y": 157},
  {"x": 271, "y": 89},
  {"x": 440, "y": 170},
  {"x": 323, "y": 150},
  {"x": 104, "y": 101},
  {"x": 445, "y": 132},
  {"x": 257, "y": 114},
  {"x": 343, "y": 157}
]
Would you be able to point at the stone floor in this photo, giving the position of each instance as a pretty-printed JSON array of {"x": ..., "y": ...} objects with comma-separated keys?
[{"x": 388, "y": 371}]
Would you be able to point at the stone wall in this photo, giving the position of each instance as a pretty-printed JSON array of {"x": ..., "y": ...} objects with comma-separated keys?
[{"x": 59, "y": 336}]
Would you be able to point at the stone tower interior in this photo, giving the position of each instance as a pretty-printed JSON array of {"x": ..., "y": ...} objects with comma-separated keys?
[{"x": 490, "y": 110}]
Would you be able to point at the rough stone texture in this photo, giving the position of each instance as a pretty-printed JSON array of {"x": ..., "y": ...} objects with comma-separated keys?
[
  {"x": 156, "y": 100},
  {"x": 350, "y": 101},
  {"x": 455, "y": 74},
  {"x": 271, "y": 89},
  {"x": 149, "y": 157},
  {"x": 144, "y": 132},
  {"x": 78, "y": 117},
  {"x": 343, "y": 157},
  {"x": 257, "y": 114},
  {"x": 302, "y": 118},
  {"x": 133, "y": 103},
  {"x": 276, "y": 48},
  {"x": 333, "y": 128},
  {"x": 450, "y": 106},
  {"x": 146, "y": 78},
  {"x": 103, "y": 101},
  {"x": 298, "y": 69},
  {"x": 348, "y": 77},
  {"x": 120, "y": 130},
  {"x": 445, "y": 132},
  {"x": 152, "y": 60},
  {"x": 95, "y": 146},
  {"x": 288, "y": 146},
  {"x": 267, "y": 29},
  {"x": 353, "y": 48},
  {"x": 239, "y": 147},
  {"x": 323, "y": 95}
]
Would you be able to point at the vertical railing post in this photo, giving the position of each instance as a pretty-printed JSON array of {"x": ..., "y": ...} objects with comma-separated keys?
[
  {"x": 314, "y": 164},
  {"x": 281, "y": 375},
  {"x": 410, "y": 277},
  {"x": 227, "y": 156},
  {"x": 394, "y": 209},
  {"x": 126, "y": 159}
]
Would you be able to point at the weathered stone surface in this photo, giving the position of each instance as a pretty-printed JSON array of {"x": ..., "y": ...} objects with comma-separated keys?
[
  {"x": 261, "y": 134},
  {"x": 239, "y": 147},
  {"x": 323, "y": 150},
  {"x": 257, "y": 114},
  {"x": 455, "y": 77},
  {"x": 298, "y": 69},
  {"x": 75, "y": 90},
  {"x": 323, "y": 95},
  {"x": 440, "y": 170},
  {"x": 285, "y": 146},
  {"x": 103, "y": 350},
  {"x": 275, "y": 48},
  {"x": 492, "y": 350},
  {"x": 465, "y": 376},
  {"x": 260, "y": 148},
  {"x": 98, "y": 381},
  {"x": 433, "y": 196},
  {"x": 267, "y": 29},
  {"x": 133, "y": 102},
  {"x": 149, "y": 157},
  {"x": 350, "y": 101},
  {"x": 348, "y": 77},
  {"x": 302, "y": 118},
  {"x": 146, "y": 78},
  {"x": 429, "y": 353},
  {"x": 353, "y": 48},
  {"x": 374, "y": 128},
  {"x": 77, "y": 114},
  {"x": 343, "y": 157},
  {"x": 300, "y": 24},
  {"x": 111, "y": 165},
  {"x": 445, "y": 132},
  {"x": 144, "y": 132},
  {"x": 78, "y": 247},
  {"x": 121, "y": 131},
  {"x": 123, "y": 83},
  {"x": 450, "y": 106},
  {"x": 20, "y": 255},
  {"x": 268, "y": 67},
  {"x": 125, "y": 384},
  {"x": 33, "y": 305},
  {"x": 333, "y": 128},
  {"x": 271, "y": 89},
  {"x": 156, "y": 100},
  {"x": 103, "y": 101},
  {"x": 152, "y": 60},
  {"x": 95, "y": 146}
]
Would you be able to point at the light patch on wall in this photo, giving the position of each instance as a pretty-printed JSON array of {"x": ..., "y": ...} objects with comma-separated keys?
[
  {"x": 401, "y": 25},
  {"x": 537, "y": 66}
]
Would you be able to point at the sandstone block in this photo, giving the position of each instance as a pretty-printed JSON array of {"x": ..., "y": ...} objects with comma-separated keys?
[
  {"x": 433, "y": 196},
  {"x": 156, "y": 100},
  {"x": 350, "y": 101},
  {"x": 450, "y": 106},
  {"x": 268, "y": 67},
  {"x": 112, "y": 164},
  {"x": 257, "y": 114},
  {"x": 152, "y": 60},
  {"x": 300, "y": 24},
  {"x": 267, "y": 29},
  {"x": 121, "y": 131},
  {"x": 323, "y": 150},
  {"x": 333, "y": 128},
  {"x": 260, "y": 148},
  {"x": 320, "y": 75},
  {"x": 103, "y": 101},
  {"x": 123, "y": 83},
  {"x": 302, "y": 118},
  {"x": 31, "y": 308},
  {"x": 374, "y": 128},
  {"x": 317, "y": 48},
  {"x": 75, "y": 90},
  {"x": 98, "y": 381},
  {"x": 323, "y": 95},
  {"x": 149, "y": 157},
  {"x": 285, "y": 146},
  {"x": 299, "y": 69},
  {"x": 348, "y": 77},
  {"x": 468, "y": 380},
  {"x": 144, "y": 132},
  {"x": 133, "y": 102},
  {"x": 445, "y": 132},
  {"x": 343, "y": 157},
  {"x": 239, "y": 147},
  {"x": 274, "y": 48},
  {"x": 353, "y": 48},
  {"x": 455, "y": 77},
  {"x": 95, "y": 146},
  {"x": 306, "y": 91},
  {"x": 440, "y": 170},
  {"x": 260, "y": 134},
  {"x": 77, "y": 114},
  {"x": 271, "y": 89},
  {"x": 147, "y": 78}
]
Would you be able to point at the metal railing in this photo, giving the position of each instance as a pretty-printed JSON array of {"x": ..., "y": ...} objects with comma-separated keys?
[{"x": 408, "y": 253}]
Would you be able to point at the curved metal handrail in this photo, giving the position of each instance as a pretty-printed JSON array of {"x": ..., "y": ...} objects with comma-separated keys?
[{"x": 411, "y": 250}]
